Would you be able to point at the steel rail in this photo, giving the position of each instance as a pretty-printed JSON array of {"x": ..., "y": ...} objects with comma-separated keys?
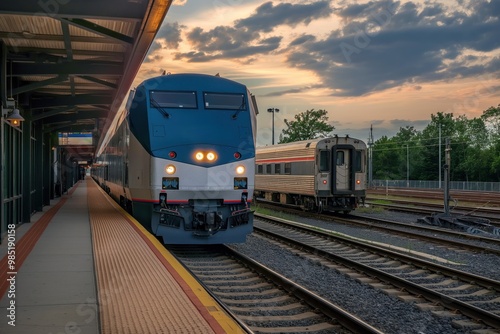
[
  {"x": 456, "y": 243},
  {"x": 471, "y": 311},
  {"x": 328, "y": 309},
  {"x": 358, "y": 220},
  {"x": 215, "y": 297},
  {"x": 343, "y": 317}
]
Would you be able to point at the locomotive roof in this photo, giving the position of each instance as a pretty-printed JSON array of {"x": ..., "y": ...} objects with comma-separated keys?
[{"x": 192, "y": 81}]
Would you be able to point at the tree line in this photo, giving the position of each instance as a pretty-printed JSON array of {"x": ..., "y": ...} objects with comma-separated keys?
[
  {"x": 475, "y": 146},
  {"x": 475, "y": 149}
]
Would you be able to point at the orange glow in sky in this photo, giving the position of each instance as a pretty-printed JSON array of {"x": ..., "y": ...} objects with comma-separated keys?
[{"x": 387, "y": 63}]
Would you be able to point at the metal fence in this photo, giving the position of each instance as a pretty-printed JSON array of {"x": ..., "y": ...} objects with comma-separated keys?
[{"x": 454, "y": 185}]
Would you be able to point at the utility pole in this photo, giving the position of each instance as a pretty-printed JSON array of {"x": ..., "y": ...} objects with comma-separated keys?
[
  {"x": 439, "y": 162},
  {"x": 370, "y": 157},
  {"x": 446, "y": 168},
  {"x": 273, "y": 110},
  {"x": 407, "y": 166}
]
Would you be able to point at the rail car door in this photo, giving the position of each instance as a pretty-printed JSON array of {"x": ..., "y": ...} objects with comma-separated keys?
[{"x": 343, "y": 164}]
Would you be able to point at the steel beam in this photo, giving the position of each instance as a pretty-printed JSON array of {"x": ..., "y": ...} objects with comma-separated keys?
[
  {"x": 98, "y": 9},
  {"x": 76, "y": 67},
  {"x": 39, "y": 84},
  {"x": 68, "y": 100},
  {"x": 100, "y": 30}
]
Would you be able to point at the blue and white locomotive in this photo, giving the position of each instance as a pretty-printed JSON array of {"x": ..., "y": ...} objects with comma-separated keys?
[{"x": 181, "y": 158}]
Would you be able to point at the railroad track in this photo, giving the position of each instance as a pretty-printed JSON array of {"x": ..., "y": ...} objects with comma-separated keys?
[
  {"x": 432, "y": 286},
  {"x": 477, "y": 197},
  {"x": 460, "y": 240},
  {"x": 483, "y": 243},
  {"x": 492, "y": 214},
  {"x": 262, "y": 300}
]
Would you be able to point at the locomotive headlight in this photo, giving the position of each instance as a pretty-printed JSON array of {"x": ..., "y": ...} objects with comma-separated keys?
[
  {"x": 211, "y": 156},
  {"x": 199, "y": 156},
  {"x": 170, "y": 169},
  {"x": 240, "y": 170},
  {"x": 358, "y": 182}
]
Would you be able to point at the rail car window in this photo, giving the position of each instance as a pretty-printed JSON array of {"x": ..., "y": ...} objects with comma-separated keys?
[
  {"x": 358, "y": 162},
  {"x": 340, "y": 158},
  {"x": 277, "y": 169},
  {"x": 268, "y": 169},
  {"x": 324, "y": 161},
  {"x": 260, "y": 169},
  {"x": 225, "y": 101},
  {"x": 288, "y": 168},
  {"x": 168, "y": 99}
]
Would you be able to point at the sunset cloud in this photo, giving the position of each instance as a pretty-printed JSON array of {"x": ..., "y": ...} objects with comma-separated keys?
[{"x": 366, "y": 62}]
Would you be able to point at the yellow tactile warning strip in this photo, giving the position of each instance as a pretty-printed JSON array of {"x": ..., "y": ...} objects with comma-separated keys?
[{"x": 141, "y": 287}]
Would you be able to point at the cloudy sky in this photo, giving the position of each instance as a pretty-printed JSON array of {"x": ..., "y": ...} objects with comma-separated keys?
[{"x": 384, "y": 63}]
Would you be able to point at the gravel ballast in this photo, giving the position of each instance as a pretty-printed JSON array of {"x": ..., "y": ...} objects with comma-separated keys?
[{"x": 385, "y": 312}]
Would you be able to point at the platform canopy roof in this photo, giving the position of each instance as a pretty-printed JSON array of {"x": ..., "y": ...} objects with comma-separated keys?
[{"x": 69, "y": 64}]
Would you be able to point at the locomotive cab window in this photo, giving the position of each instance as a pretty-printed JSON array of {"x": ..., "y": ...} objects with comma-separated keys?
[
  {"x": 167, "y": 99},
  {"x": 324, "y": 161},
  {"x": 224, "y": 101}
]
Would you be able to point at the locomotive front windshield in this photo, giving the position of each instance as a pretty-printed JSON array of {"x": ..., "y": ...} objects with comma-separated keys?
[
  {"x": 170, "y": 99},
  {"x": 224, "y": 101},
  {"x": 187, "y": 100}
]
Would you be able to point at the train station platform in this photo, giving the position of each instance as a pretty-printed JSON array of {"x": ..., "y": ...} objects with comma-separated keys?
[{"x": 85, "y": 266}]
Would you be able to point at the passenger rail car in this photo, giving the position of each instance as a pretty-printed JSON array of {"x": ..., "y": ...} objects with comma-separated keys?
[
  {"x": 327, "y": 174},
  {"x": 181, "y": 158}
]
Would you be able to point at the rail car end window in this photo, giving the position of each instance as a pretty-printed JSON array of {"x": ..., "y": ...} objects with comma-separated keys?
[
  {"x": 340, "y": 158},
  {"x": 224, "y": 101},
  {"x": 324, "y": 161},
  {"x": 358, "y": 162},
  {"x": 168, "y": 99}
]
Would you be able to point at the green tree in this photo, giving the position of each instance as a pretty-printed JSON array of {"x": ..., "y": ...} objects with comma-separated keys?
[
  {"x": 475, "y": 149},
  {"x": 408, "y": 152},
  {"x": 491, "y": 117},
  {"x": 429, "y": 140},
  {"x": 471, "y": 139},
  {"x": 386, "y": 157},
  {"x": 310, "y": 124}
]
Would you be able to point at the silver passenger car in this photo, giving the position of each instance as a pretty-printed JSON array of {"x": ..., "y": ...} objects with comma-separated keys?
[{"x": 325, "y": 174}]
